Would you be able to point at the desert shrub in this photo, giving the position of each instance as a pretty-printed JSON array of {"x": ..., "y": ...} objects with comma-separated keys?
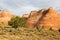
[
  {"x": 39, "y": 28},
  {"x": 17, "y": 22}
]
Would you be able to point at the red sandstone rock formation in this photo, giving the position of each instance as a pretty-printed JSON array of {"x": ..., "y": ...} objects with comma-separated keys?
[
  {"x": 5, "y": 16},
  {"x": 25, "y": 16},
  {"x": 50, "y": 20},
  {"x": 34, "y": 18},
  {"x": 44, "y": 18}
]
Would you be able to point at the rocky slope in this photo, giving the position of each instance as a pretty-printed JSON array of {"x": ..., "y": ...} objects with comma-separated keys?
[
  {"x": 44, "y": 18},
  {"x": 5, "y": 16},
  {"x": 47, "y": 19}
]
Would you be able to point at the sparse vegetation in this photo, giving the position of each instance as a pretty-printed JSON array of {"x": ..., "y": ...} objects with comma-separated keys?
[
  {"x": 28, "y": 34},
  {"x": 8, "y": 32},
  {"x": 17, "y": 22}
]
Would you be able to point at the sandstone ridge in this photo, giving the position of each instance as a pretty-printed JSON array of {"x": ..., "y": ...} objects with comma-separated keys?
[
  {"x": 47, "y": 19},
  {"x": 5, "y": 16}
]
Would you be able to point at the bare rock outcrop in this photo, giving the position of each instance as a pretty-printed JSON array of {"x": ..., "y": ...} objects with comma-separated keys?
[
  {"x": 44, "y": 18},
  {"x": 25, "y": 16},
  {"x": 34, "y": 18},
  {"x": 5, "y": 16},
  {"x": 50, "y": 20}
]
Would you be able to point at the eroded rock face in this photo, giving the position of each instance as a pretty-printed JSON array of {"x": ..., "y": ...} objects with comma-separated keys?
[
  {"x": 34, "y": 18},
  {"x": 5, "y": 16},
  {"x": 50, "y": 20},
  {"x": 44, "y": 18},
  {"x": 25, "y": 16}
]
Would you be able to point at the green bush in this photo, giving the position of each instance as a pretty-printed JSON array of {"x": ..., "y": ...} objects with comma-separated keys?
[{"x": 17, "y": 22}]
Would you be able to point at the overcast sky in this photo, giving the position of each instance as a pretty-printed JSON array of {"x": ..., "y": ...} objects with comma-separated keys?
[{"x": 19, "y": 7}]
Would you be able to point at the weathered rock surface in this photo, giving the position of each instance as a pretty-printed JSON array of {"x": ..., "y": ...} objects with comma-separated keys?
[
  {"x": 44, "y": 18},
  {"x": 25, "y": 15},
  {"x": 33, "y": 18},
  {"x": 5, "y": 16}
]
